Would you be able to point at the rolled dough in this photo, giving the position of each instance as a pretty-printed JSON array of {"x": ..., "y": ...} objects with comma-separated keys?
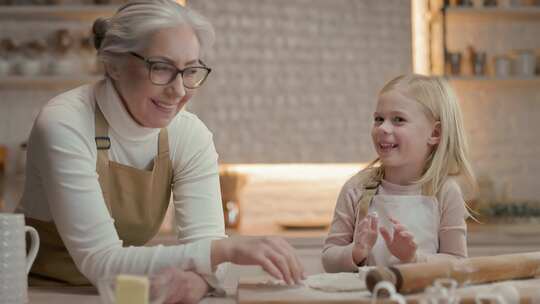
[{"x": 332, "y": 282}]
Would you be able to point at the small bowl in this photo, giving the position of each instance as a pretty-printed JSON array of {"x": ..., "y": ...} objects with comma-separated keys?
[{"x": 159, "y": 288}]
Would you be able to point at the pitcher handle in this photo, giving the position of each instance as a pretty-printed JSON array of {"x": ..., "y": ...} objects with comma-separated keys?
[{"x": 34, "y": 247}]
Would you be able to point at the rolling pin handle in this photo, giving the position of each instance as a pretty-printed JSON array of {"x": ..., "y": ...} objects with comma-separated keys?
[{"x": 390, "y": 274}]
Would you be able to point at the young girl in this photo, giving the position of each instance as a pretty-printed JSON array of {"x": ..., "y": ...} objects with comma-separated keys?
[{"x": 409, "y": 208}]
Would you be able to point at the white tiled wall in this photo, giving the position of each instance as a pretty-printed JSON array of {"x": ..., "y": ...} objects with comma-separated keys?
[
  {"x": 296, "y": 81},
  {"x": 293, "y": 81}
]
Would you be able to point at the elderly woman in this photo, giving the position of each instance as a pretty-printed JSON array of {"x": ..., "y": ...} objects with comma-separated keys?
[{"x": 104, "y": 158}]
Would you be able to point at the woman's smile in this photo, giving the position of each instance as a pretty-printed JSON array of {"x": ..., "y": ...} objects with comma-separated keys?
[{"x": 165, "y": 106}]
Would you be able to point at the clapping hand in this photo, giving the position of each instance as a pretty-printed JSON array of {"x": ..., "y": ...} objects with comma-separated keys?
[
  {"x": 365, "y": 236},
  {"x": 401, "y": 243}
]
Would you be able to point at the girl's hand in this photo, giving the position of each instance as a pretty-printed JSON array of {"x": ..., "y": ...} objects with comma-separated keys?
[
  {"x": 273, "y": 254},
  {"x": 185, "y": 287},
  {"x": 401, "y": 244},
  {"x": 365, "y": 236}
]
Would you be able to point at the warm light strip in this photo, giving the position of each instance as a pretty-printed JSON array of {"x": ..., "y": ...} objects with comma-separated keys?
[
  {"x": 306, "y": 171},
  {"x": 419, "y": 9}
]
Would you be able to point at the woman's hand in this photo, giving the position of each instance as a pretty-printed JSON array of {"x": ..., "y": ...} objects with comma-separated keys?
[
  {"x": 185, "y": 287},
  {"x": 401, "y": 244},
  {"x": 365, "y": 236},
  {"x": 273, "y": 254}
]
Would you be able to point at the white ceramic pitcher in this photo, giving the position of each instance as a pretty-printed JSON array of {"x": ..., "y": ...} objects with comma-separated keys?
[{"x": 14, "y": 262}]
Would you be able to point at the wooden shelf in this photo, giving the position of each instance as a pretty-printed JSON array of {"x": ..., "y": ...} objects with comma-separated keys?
[
  {"x": 495, "y": 81},
  {"x": 494, "y": 78},
  {"x": 45, "y": 82},
  {"x": 56, "y": 12},
  {"x": 516, "y": 12}
]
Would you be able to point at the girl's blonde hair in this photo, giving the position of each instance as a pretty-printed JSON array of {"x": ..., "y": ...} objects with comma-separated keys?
[{"x": 451, "y": 155}]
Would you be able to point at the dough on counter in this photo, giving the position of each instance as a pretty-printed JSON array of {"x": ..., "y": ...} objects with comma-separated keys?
[
  {"x": 328, "y": 282},
  {"x": 332, "y": 282},
  {"x": 265, "y": 280}
]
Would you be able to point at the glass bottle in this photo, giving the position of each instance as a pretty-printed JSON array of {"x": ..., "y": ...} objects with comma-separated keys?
[
  {"x": 63, "y": 61},
  {"x": 5, "y": 66},
  {"x": 232, "y": 184},
  {"x": 31, "y": 62}
]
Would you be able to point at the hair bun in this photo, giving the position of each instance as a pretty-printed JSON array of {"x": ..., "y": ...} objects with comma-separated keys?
[{"x": 98, "y": 31}]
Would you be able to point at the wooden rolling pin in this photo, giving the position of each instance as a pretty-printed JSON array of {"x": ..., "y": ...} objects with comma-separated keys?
[{"x": 409, "y": 278}]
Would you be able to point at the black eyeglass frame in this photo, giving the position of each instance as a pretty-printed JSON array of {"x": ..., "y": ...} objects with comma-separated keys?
[{"x": 150, "y": 62}]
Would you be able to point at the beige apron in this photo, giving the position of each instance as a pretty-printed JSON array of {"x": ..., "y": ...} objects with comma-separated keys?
[
  {"x": 137, "y": 201},
  {"x": 418, "y": 213}
]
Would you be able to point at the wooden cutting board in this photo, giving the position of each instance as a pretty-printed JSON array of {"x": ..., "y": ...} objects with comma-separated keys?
[{"x": 256, "y": 293}]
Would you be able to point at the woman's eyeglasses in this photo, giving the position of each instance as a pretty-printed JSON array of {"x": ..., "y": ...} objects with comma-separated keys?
[{"x": 163, "y": 73}]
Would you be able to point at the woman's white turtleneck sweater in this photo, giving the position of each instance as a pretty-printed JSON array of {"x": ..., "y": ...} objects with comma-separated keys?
[{"x": 62, "y": 183}]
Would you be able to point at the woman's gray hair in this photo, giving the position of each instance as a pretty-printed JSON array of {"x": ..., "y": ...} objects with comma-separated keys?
[{"x": 130, "y": 29}]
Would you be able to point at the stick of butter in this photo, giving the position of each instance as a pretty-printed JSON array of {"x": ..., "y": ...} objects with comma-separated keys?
[{"x": 132, "y": 289}]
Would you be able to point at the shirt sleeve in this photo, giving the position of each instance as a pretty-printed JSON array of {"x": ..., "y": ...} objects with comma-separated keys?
[
  {"x": 338, "y": 245},
  {"x": 196, "y": 191},
  {"x": 453, "y": 228},
  {"x": 62, "y": 149}
]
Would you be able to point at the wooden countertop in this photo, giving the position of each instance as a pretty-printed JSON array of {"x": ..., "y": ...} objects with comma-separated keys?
[
  {"x": 87, "y": 295},
  {"x": 482, "y": 239}
]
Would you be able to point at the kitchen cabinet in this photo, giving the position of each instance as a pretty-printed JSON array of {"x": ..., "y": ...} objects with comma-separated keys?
[
  {"x": 493, "y": 12},
  {"x": 499, "y": 23},
  {"x": 86, "y": 13},
  {"x": 67, "y": 17},
  {"x": 44, "y": 82}
]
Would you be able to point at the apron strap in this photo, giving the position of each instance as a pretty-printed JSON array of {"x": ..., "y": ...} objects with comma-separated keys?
[
  {"x": 370, "y": 183},
  {"x": 365, "y": 200},
  {"x": 163, "y": 141},
  {"x": 103, "y": 144}
]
